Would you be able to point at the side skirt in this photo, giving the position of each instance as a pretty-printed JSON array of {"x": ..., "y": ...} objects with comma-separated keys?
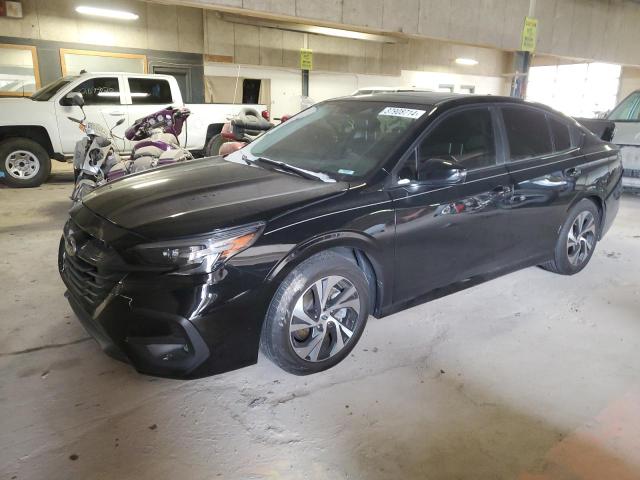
[{"x": 461, "y": 285}]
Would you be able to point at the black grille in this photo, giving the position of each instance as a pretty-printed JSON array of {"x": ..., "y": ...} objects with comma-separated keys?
[{"x": 85, "y": 280}]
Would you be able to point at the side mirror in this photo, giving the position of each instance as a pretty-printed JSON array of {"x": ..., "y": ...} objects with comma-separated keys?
[
  {"x": 75, "y": 98},
  {"x": 440, "y": 171}
]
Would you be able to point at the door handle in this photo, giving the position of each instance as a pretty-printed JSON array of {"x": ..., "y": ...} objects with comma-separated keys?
[
  {"x": 116, "y": 113},
  {"x": 573, "y": 172}
]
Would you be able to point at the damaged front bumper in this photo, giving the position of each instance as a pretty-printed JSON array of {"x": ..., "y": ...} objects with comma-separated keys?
[{"x": 164, "y": 325}]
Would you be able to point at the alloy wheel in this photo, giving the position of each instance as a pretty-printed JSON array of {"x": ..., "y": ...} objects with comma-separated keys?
[
  {"x": 581, "y": 238},
  {"x": 324, "y": 318},
  {"x": 22, "y": 164}
]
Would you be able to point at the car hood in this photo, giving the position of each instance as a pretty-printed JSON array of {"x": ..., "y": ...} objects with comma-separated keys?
[{"x": 199, "y": 196}]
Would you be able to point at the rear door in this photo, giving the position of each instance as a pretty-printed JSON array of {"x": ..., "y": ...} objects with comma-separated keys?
[
  {"x": 103, "y": 104},
  {"x": 449, "y": 233},
  {"x": 544, "y": 162}
]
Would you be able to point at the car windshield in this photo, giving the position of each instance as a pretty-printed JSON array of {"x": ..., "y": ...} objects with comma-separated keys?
[
  {"x": 48, "y": 91},
  {"x": 343, "y": 139}
]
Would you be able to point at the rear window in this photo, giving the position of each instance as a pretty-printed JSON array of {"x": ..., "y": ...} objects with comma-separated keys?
[
  {"x": 527, "y": 132},
  {"x": 150, "y": 91},
  {"x": 561, "y": 134}
]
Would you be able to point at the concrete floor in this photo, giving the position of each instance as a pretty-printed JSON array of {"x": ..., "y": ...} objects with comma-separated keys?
[{"x": 533, "y": 376}]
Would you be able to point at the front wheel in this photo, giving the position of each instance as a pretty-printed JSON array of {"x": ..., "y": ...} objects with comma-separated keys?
[
  {"x": 317, "y": 315},
  {"x": 24, "y": 162},
  {"x": 577, "y": 239}
]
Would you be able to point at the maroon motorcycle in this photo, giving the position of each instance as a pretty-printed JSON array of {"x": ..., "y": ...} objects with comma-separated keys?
[{"x": 240, "y": 130}]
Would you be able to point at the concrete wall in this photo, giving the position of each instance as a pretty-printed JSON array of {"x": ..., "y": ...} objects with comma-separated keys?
[
  {"x": 253, "y": 45},
  {"x": 286, "y": 83},
  {"x": 160, "y": 27},
  {"x": 605, "y": 30},
  {"x": 186, "y": 29},
  {"x": 629, "y": 81}
]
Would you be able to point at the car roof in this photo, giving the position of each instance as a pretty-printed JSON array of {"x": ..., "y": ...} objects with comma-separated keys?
[{"x": 440, "y": 98}]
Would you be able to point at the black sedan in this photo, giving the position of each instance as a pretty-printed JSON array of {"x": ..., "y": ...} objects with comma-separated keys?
[{"x": 357, "y": 206}]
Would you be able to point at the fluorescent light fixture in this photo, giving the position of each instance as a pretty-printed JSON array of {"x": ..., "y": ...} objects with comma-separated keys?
[
  {"x": 105, "y": 12},
  {"x": 466, "y": 61}
]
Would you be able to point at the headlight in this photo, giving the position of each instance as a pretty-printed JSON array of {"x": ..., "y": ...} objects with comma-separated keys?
[{"x": 200, "y": 254}]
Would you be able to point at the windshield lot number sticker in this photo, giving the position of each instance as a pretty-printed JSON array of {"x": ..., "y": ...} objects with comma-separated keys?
[{"x": 401, "y": 112}]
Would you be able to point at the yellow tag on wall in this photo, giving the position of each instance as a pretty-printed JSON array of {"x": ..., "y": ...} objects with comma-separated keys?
[
  {"x": 529, "y": 34},
  {"x": 306, "y": 59}
]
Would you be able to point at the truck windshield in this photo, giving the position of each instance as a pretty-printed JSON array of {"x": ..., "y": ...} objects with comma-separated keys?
[
  {"x": 48, "y": 91},
  {"x": 344, "y": 139},
  {"x": 629, "y": 109}
]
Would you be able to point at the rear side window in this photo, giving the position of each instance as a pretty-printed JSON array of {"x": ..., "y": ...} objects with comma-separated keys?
[
  {"x": 527, "y": 132},
  {"x": 150, "y": 91},
  {"x": 99, "y": 91},
  {"x": 561, "y": 134}
]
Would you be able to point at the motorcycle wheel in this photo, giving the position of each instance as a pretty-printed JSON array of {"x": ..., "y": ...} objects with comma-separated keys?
[{"x": 213, "y": 147}]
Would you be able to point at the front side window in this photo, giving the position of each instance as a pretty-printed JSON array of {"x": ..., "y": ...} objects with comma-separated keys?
[
  {"x": 344, "y": 139},
  {"x": 628, "y": 110},
  {"x": 465, "y": 137},
  {"x": 99, "y": 91},
  {"x": 150, "y": 91},
  {"x": 527, "y": 132}
]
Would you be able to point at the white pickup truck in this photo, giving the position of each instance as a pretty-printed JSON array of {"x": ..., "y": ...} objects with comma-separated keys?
[
  {"x": 36, "y": 129},
  {"x": 624, "y": 119}
]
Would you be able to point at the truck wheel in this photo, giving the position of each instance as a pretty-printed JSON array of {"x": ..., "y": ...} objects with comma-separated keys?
[
  {"x": 213, "y": 147},
  {"x": 24, "y": 162}
]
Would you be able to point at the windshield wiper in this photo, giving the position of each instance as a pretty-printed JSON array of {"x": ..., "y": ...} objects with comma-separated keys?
[{"x": 290, "y": 168}]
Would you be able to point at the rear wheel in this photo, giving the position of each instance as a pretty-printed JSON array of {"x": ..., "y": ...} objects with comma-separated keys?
[
  {"x": 25, "y": 163},
  {"x": 577, "y": 239},
  {"x": 317, "y": 315}
]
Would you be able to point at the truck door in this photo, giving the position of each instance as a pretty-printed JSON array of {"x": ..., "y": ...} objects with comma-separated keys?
[{"x": 104, "y": 104}]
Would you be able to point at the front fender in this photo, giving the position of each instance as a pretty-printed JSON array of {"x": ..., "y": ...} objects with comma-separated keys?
[{"x": 366, "y": 244}]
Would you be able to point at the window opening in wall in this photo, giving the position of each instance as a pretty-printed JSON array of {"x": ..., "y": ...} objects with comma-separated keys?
[{"x": 19, "y": 74}]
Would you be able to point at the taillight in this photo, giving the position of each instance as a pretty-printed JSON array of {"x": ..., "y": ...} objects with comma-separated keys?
[{"x": 265, "y": 115}]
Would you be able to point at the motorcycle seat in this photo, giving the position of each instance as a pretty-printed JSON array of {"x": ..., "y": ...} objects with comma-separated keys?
[
  {"x": 250, "y": 122},
  {"x": 166, "y": 138},
  {"x": 148, "y": 151}
]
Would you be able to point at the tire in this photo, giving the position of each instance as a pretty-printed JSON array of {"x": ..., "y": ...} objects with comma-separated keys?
[
  {"x": 577, "y": 240},
  {"x": 286, "y": 340},
  {"x": 213, "y": 146},
  {"x": 25, "y": 163}
]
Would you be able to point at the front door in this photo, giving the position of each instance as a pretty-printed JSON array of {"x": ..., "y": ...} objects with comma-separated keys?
[
  {"x": 103, "y": 104},
  {"x": 447, "y": 233}
]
